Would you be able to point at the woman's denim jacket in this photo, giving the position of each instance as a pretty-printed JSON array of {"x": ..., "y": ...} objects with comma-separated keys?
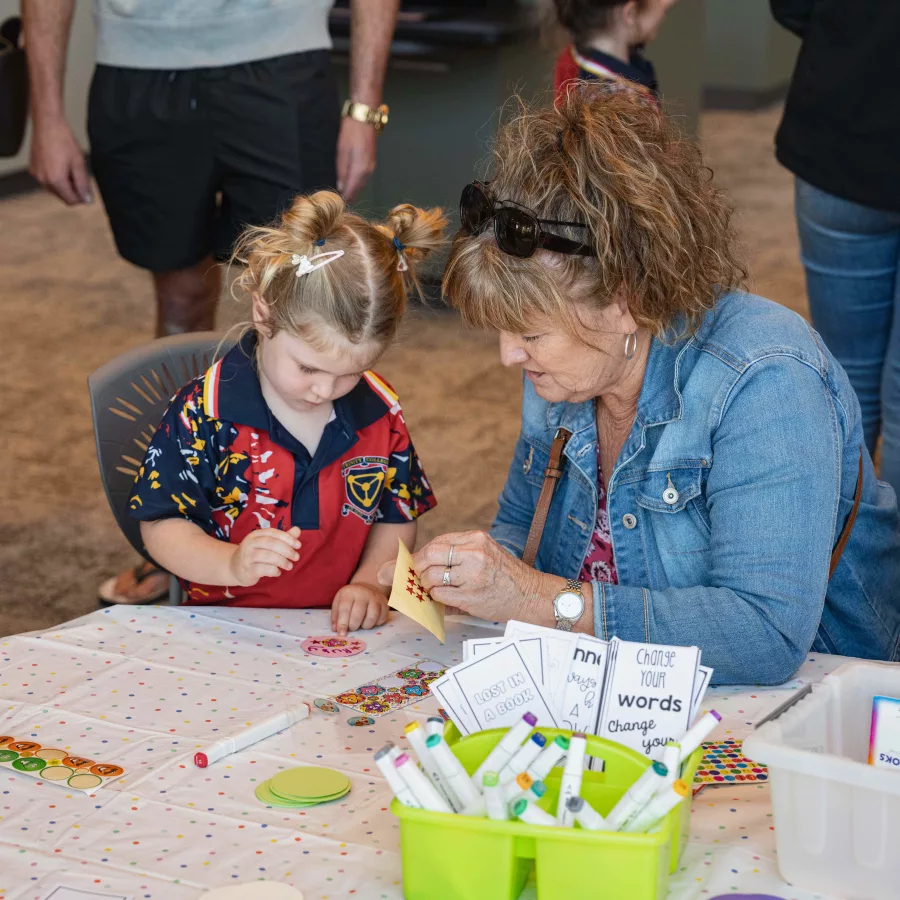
[{"x": 757, "y": 427}]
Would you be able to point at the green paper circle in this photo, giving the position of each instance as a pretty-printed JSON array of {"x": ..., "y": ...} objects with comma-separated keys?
[
  {"x": 264, "y": 794},
  {"x": 29, "y": 764},
  {"x": 307, "y": 783},
  {"x": 8, "y": 755},
  {"x": 308, "y": 800}
]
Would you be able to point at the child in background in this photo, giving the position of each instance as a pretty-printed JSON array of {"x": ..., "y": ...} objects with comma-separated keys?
[
  {"x": 608, "y": 37},
  {"x": 284, "y": 475}
]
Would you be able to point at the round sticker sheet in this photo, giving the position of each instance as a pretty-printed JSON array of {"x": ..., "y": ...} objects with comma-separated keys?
[{"x": 333, "y": 646}]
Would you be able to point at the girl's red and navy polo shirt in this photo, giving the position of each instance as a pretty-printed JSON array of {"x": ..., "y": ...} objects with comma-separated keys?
[{"x": 220, "y": 459}]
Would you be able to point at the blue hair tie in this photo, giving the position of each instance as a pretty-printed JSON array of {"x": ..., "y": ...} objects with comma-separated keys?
[
  {"x": 398, "y": 245},
  {"x": 320, "y": 242}
]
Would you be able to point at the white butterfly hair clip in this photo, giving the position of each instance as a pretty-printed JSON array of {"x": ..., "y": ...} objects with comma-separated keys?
[{"x": 306, "y": 264}]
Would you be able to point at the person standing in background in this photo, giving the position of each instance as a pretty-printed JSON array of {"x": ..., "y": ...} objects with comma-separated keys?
[
  {"x": 840, "y": 135},
  {"x": 608, "y": 38},
  {"x": 203, "y": 118}
]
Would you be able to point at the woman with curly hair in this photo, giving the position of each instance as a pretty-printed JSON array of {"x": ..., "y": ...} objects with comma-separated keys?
[{"x": 712, "y": 485}]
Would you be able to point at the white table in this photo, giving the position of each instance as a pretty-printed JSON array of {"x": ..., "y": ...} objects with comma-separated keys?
[{"x": 145, "y": 687}]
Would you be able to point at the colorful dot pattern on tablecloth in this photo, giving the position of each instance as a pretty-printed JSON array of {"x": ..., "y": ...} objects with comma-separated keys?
[{"x": 724, "y": 763}]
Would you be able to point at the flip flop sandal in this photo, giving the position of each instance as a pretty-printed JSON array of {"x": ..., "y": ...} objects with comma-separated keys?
[{"x": 141, "y": 572}]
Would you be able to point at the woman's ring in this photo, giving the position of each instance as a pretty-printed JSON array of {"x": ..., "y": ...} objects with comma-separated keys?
[
  {"x": 445, "y": 581},
  {"x": 450, "y": 558}
]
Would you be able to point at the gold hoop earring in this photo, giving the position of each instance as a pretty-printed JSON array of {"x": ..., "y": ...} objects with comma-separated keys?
[{"x": 630, "y": 345}]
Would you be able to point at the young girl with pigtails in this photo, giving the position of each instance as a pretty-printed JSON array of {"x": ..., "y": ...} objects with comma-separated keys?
[{"x": 285, "y": 474}]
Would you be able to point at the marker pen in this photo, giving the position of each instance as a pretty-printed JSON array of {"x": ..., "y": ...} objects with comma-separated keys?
[
  {"x": 585, "y": 814},
  {"x": 526, "y": 811},
  {"x": 416, "y": 736},
  {"x": 695, "y": 736},
  {"x": 509, "y": 743},
  {"x": 523, "y": 757},
  {"x": 434, "y": 725},
  {"x": 493, "y": 797},
  {"x": 422, "y": 789},
  {"x": 573, "y": 772},
  {"x": 549, "y": 757},
  {"x": 453, "y": 772},
  {"x": 252, "y": 735},
  {"x": 671, "y": 757},
  {"x": 658, "y": 807},
  {"x": 637, "y": 797},
  {"x": 384, "y": 759}
]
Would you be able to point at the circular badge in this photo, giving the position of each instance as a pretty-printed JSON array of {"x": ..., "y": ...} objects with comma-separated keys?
[
  {"x": 375, "y": 706},
  {"x": 29, "y": 765},
  {"x": 333, "y": 646},
  {"x": 350, "y": 698},
  {"x": 327, "y": 706},
  {"x": 23, "y": 746},
  {"x": 77, "y": 762},
  {"x": 5, "y": 740},
  {"x": 107, "y": 770},
  {"x": 57, "y": 773},
  {"x": 8, "y": 755},
  {"x": 84, "y": 781},
  {"x": 360, "y": 721},
  {"x": 50, "y": 754}
]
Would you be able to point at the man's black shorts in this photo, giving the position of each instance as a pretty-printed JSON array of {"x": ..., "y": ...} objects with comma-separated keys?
[{"x": 186, "y": 159}]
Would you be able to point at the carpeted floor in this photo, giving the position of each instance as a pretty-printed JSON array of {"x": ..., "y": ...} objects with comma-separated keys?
[{"x": 68, "y": 304}]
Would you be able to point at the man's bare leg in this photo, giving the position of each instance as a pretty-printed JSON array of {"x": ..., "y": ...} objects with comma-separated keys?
[{"x": 186, "y": 299}]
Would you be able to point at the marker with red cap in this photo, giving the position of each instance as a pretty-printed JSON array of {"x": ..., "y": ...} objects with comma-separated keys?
[{"x": 252, "y": 735}]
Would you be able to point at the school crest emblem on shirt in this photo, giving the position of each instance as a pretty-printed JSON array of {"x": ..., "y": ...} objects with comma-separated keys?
[{"x": 364, "y": 478}]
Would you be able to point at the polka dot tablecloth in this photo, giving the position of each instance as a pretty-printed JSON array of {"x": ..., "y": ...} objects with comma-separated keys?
[{"x": 146, "y": 687}]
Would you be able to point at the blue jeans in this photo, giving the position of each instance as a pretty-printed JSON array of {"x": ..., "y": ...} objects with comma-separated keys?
[{"x": 851, "y": 254}]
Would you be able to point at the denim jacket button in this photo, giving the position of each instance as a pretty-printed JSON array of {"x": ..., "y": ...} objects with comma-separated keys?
[
  {"x": 670, "y": 496},
  {"x": 629, "y": 521}
]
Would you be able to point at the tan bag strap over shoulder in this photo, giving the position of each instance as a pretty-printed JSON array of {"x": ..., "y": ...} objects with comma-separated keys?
[
  {"x": 553, "y": 473},
  {"x": 848, "y": 525},
  {"x": 551, "y": 476}
]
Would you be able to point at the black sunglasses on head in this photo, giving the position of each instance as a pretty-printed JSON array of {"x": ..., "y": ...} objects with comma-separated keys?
[{"x": 517, "y": 229}]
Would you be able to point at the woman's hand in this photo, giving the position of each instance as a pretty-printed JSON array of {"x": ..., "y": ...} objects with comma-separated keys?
[
  {"x": 356, "y": 606},
  {"x": 485, "y": 580}
]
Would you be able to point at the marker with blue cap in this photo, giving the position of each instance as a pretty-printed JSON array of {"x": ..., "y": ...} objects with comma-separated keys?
[
  {"x": 506, "y": 748},
  {"x": 523, "y": 758}
]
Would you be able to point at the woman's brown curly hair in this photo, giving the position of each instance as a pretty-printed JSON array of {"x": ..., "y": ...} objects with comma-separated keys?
[{"x": 662, "y": 231}]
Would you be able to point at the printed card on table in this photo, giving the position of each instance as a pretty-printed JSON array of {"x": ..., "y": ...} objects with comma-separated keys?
[
  {"x": 532, "y": 651},
  {"x": 410, "y": 598},
  {"x": 649, "y": 696},
  {"x": 392, "y": 692},
  {"x": 498, "y": 689}
]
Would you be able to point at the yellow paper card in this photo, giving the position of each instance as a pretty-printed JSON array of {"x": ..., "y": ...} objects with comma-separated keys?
[{"x": 409, "y": 597}]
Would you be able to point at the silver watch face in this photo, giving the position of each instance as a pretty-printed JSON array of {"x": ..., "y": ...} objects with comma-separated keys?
[{"x": 569, "y": 605}]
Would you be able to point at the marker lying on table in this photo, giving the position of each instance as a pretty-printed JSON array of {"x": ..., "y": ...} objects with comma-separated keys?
[
  {"x": 637, "y": 797},
  {"x": 453, "y": 771},
  {"x": 508, "y": 745},
  {"x": 700, "y": 731},
  {"x": 585, "y": 814},
  {"x": 417, "y": 738},
  {"x": 571, "y": 779},
  {"x": 658, "y": 807},
  {"x": 523, "y": 757},
  {"x": 422, "y": 789},
  {"x": 384, "y": 759},
  {"x": 252, "y": 735}
]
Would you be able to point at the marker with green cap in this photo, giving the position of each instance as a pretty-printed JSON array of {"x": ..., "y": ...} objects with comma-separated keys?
[
  {"x": 452, "y": 769},
  {"x": 552, "y": 755},
  {"x": 493, "y": 797},
  {"x": 528, "y": 812},
  {"x": 637, "y": 796}
]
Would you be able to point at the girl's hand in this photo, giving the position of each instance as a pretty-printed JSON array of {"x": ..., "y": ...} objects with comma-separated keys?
[
  {"x": 357, "y": 606},
  {"x": 264, "y": 553}
]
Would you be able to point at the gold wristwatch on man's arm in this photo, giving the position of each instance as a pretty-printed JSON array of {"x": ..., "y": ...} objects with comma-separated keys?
[{"x": 360, "y": 112}]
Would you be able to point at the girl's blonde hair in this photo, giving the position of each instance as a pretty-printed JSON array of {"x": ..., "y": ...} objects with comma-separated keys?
[
  {"x": 661, "y": 230},
  {"x": 361, "y": 295}
]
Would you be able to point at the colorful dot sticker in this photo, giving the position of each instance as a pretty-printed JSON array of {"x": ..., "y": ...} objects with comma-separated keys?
[
  {"x": 724, "y": 762},
  {"x": 330, "y": 645},
  {"x": 360, "y": 721}
]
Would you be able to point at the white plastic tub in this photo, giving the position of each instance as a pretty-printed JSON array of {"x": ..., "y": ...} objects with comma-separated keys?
[{"x": 837, "y": 819}]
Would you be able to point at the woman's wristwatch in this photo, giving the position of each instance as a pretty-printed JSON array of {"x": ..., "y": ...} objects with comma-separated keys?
[
  {"x": 568, "y": 605},
  {"x": 362, "y": 113}
]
